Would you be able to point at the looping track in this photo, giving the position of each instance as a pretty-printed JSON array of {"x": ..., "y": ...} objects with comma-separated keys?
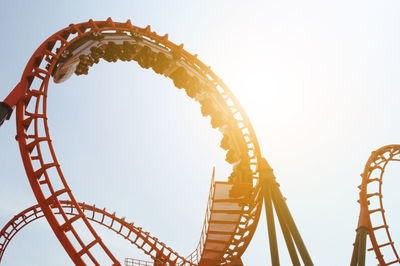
[
  {"x": 372, "y": 214},
  {"x": 151, "y": 246},
  {"x": 164, "y": 57}
]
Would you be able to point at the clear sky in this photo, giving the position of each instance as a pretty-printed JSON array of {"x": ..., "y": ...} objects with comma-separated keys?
[{"x": 318, "y": 79}]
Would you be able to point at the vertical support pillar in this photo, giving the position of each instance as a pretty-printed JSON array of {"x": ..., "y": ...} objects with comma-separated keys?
[
  {"x": 363, "y": 228},
  {"x": 273, "y": 194},
  {"x": 273, "y": 243},
  {"x": 293, "y": 228},
  {"x": 362, "y": 232},
  {"x": 286, "y": 234},
  {"x": 354, "y": 256},
  {"x": 268, "y": 180}
]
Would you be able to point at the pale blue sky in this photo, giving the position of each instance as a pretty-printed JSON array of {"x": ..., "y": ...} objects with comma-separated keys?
[{"x": 319, "y": 81}]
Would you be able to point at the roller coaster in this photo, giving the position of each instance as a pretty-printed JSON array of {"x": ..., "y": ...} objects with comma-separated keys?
[
  {"x": 372, "y": 221},
  {"x": 234, "y": 206}
]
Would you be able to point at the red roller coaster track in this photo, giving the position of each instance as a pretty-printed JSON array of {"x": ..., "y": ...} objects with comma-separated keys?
[
  {"x": 234, "y": 206},
  {"x": 372, "y": 220},
  {"x": 151, "y": 246}
]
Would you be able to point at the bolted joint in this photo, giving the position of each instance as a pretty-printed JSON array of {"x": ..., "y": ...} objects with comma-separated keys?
[{"x": 5, "y": 112}]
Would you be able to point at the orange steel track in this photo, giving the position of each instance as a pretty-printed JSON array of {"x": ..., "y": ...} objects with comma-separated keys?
[
  {"x": 150, "y": 50},
  {"x": 372, "y": 220},
  {"x": 151, "y": 246}
]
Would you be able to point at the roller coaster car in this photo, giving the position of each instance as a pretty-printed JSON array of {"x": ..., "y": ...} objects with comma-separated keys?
[
  {"x": 69, "y": 59},
  {"x": 5, "y": 112}
]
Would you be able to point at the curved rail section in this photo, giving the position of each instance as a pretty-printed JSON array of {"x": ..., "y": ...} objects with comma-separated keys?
[
  {"x": 149, "y": 50},
  {"x": 151, "y": 246},
  {"x": 78, "y": 47},
  {"x": 372, "y": 220}
]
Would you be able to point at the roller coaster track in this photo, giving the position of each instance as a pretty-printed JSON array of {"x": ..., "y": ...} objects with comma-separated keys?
[
  {"x": 234, "y": 207},
  {"x": 151, "y": 246},
  {"x": 372, "y": 220}
]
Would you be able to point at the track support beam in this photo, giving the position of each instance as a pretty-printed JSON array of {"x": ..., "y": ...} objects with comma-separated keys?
[
  {"x": 272, "y": 194},
  {"x": 359, "y": 250},
  {"x": 269, "y": 211}
]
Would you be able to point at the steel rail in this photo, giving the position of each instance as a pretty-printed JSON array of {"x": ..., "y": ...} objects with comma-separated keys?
[{"x": 150, "y": 245}]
